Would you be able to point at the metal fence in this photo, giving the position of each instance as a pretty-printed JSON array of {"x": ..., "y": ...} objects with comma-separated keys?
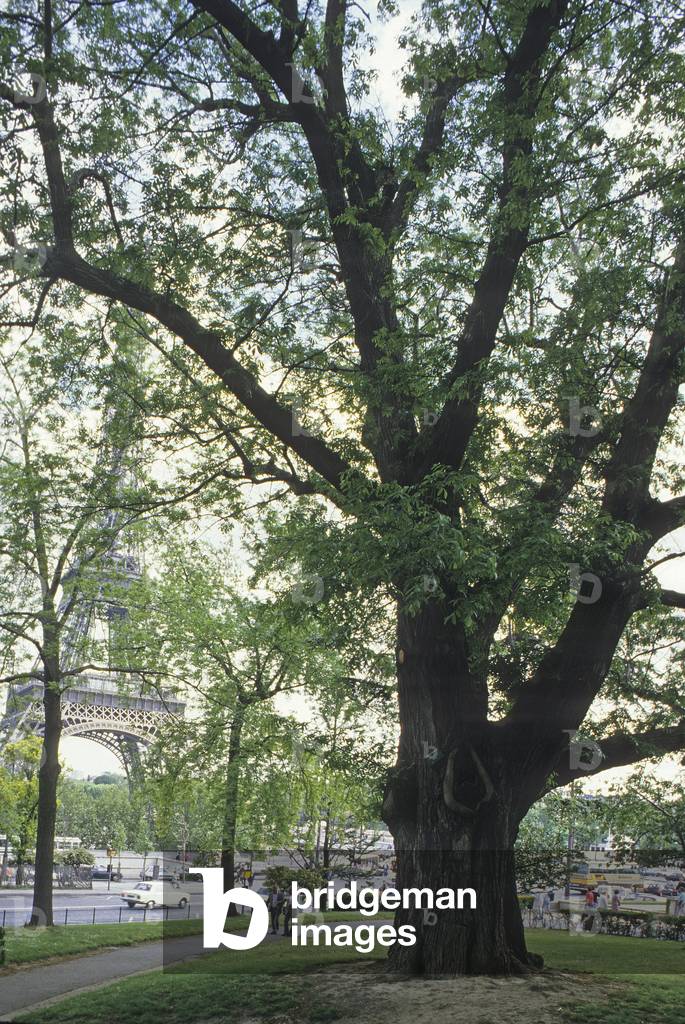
[
  {"x": 549, "y": 919},
  {"x": 18, "y": 916},
  {"x": 638, "y": 927}
]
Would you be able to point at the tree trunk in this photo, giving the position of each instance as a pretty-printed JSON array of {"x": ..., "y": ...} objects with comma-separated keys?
[
  {"x": 326, "y": 849},
  {"x": 231, "y": 804},
  {"x": 48, "y": 777},
  {"x": 453, "y": 808},
  {"x": 487, "y": 938}
]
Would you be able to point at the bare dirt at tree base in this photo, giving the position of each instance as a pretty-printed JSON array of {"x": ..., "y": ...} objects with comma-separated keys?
[{"x": 362, "y": 995}]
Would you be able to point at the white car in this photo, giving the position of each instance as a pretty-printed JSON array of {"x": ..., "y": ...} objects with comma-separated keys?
[{"x": 156, "y": 894}]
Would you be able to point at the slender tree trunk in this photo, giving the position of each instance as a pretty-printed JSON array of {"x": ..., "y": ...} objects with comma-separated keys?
[
  {"x": 48, "y": 778},
  {"x": 454, "y": 809},
  {"x": 231, "y": 803},
  {"x": 326, "y": 850}
]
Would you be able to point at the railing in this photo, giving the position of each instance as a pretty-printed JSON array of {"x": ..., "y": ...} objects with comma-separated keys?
[
  {"x": 548, "y": 919},
  {"x": 17, "y": 917},
  {"x": 639, "y": 926}
]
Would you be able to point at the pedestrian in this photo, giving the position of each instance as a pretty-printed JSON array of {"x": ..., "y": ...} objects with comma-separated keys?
[
  {"x": 616, "y": 901},
  {"x": 249, "y": 876},
  {"x": 287, "y": 916},
  {"x": 590, "y": 910},
  {"x": 603, "y": 903},
  {"x": 680, "y": 902},
  {"x": 274, "y": 904}
]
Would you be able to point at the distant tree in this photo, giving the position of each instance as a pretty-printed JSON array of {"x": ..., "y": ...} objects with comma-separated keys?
[
  {"x": 283, "y": 877},
  {"x": 108, "y": 779},
  {"x": 646, "y": 815},
  {"x": 554, "y": 835},
  {"x": 19, "y": 795},
  {"x": 237, "y": 652},
  {"x": 100, "y": 814}
]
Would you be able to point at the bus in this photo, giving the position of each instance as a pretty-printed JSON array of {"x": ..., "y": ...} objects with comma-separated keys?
[{"x": 617, "y": 877}]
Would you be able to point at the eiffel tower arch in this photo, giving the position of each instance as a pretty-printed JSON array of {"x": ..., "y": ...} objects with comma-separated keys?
[
  {"x": 94, "y": 707},
  {"x": 110, "y": 708}
]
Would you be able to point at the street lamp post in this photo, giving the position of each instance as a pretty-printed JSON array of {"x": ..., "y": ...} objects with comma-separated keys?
[{"x": 570, "y": 843}]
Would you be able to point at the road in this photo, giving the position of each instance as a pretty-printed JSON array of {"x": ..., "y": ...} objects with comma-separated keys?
[
  {"x": 77, "y": 906},
  {"x": 98, "y": 906}
]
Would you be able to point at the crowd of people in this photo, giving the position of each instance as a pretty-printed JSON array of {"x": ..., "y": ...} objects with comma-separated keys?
[
  {"x": 245, "y": 875},
  {"x": 598, "y": 901}
]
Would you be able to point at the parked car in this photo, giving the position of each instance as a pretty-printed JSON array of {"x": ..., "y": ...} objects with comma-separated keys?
[
  {"x": 102, "y": 872},
  {"x": 163, "y": 876},
  {"x": 155, "y": 894}
]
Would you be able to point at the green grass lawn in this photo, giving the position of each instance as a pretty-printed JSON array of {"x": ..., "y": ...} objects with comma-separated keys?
[
  {"x": 645, "y": 984},
  {"x": 653, "y": 974},
  {"x": 607, "y": 954},
  {"x": 25, "y": 945}
]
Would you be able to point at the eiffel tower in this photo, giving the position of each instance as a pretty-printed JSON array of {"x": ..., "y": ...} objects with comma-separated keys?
[{"x": 95, "y": 705}]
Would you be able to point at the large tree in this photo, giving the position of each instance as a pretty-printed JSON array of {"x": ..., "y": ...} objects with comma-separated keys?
[{"x": 459, "y": 321}]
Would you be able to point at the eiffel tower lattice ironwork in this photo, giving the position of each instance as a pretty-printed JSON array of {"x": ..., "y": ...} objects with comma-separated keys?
[
  {"x": 124, "y": 719},
  {"x": 94, "y": 704}
]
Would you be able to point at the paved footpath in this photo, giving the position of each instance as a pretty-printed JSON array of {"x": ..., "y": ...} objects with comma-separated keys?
[
  {"x": 28, "y": 988},
  {"x": 31, "y": 988}
]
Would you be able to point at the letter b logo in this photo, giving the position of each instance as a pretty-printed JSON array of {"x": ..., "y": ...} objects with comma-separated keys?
[{"x": 216, "y": 903}]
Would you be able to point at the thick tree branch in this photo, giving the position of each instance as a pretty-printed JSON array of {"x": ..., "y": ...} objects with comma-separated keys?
[
  {"x": 448, "y": 439},
  {"x": 433, "y": 134},
  {"x": 66, "y": 264},
  {"x": 625, "y": 749},
  {"x": 645, "y": 416},
  {"x": 672, "y": 598},
  {"x": 660, "y": 518},
  {"x": 209, "y": 346},
  {"x": 342, "y": 170}
]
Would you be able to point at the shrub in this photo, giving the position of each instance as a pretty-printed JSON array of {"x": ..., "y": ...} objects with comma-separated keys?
[{"x": 283, "y": 877}]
